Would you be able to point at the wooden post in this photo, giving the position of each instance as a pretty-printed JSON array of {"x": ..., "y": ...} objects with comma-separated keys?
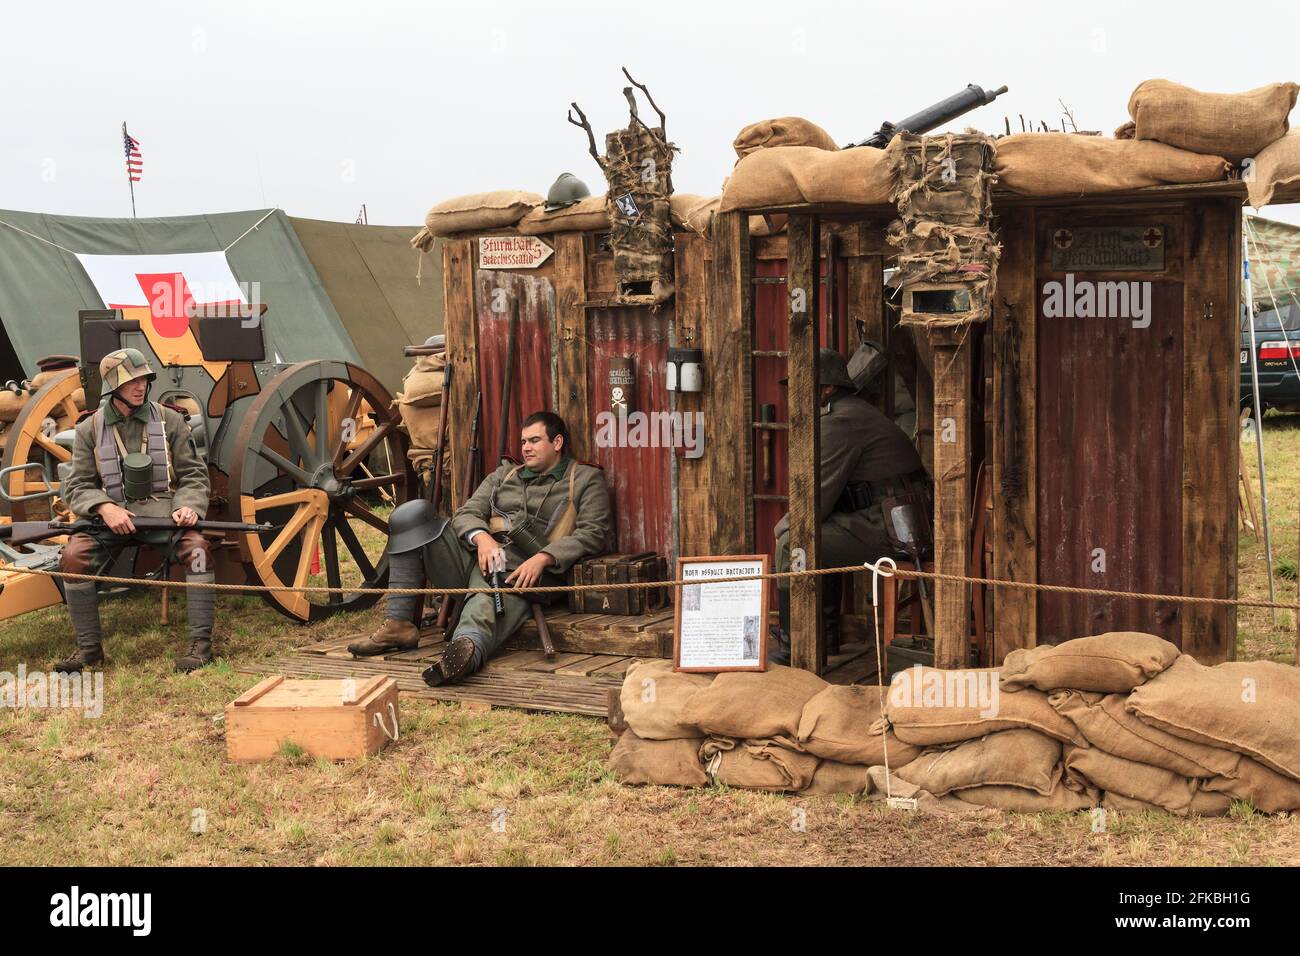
[
  {"x": 804, "y": 397},
  {"x": 952, "y": 492},
  {"x": 571, "y": 361},
  {"x": 460, "y": 323},
  {"x": 692, "y": 516},
  {"x": 726, "y": 344},
  {"x": 1014, "y": 452}
]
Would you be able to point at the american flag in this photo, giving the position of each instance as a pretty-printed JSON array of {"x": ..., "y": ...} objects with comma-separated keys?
[{"x": 134, "y": 160}]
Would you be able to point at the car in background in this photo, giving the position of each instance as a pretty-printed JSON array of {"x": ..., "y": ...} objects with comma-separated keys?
[{"x": 1277, "y": 338}]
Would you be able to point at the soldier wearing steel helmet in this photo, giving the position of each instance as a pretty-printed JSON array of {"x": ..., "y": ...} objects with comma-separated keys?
[{"x": 135, "y": 458}]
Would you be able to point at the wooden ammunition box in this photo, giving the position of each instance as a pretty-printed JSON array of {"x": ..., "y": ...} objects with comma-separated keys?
[
  {"x": 619, "y": 569},
  {"x": 334, "y": 719}
]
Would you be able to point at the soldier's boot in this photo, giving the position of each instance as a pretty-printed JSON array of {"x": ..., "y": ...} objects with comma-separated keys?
[
  {"x": 392, "y": 635},
  {"x": 83, "y": 609},
  {"x": 199, "y": 603},
  {"x": 778, "y": 646},
  {"x": 456, "y": 661}
]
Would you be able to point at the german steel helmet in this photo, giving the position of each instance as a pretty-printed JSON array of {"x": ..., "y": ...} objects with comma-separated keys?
[
  {"x": 118, "y": 368},
  {"x": 566, "y": 191},
  {"x": 866, "y": 365},
  {"x": 413, "y": 524}
]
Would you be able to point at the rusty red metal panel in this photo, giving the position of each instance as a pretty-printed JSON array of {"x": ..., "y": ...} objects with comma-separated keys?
[
  {"x": 1110, "y": 460},
  {"x": 531, "y": 388},
  {"x": 639, "y": 478}
]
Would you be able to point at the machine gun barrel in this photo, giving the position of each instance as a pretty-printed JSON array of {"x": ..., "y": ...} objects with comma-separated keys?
[{"x": 934, "y": 116}]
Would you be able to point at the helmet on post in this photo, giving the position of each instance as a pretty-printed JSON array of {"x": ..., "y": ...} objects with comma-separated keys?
[
  {"x": 413, "y": 524},
  {"x": 122, "y": 366},
  {"x": 566, "y": 191}
]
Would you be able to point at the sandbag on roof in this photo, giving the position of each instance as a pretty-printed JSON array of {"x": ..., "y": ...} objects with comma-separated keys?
[
  {"x": 1232, "y": 125},
  {"x": 1276, "y": 165},
  {"x": 585, "y": 214},
  {"x": 783, "y": 131},
  {"x": 787, "y": 175},
  {"x": 491, "y": 210},
  {"x": 1067, "y": 164}
]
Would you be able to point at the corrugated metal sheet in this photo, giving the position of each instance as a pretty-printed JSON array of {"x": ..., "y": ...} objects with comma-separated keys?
[
  {"x": 531, "y": 387},
  {"x": 1110, "y": 458},
  {"x": 640, "y": 478}
]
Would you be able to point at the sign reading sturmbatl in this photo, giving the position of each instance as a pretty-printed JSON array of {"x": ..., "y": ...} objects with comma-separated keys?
[
  {"x": 1109, "y": 249},
  {"x": 512, "y": 252}
]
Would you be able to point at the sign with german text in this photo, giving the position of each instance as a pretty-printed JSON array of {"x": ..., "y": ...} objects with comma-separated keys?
[
  {"x": 512, "y": 252},
  {"x": 1109, "y": 249}
]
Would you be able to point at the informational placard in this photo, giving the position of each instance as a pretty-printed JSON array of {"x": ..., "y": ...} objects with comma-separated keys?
[
  {"x": 1108, "y": 249},
  {"x": 721, "y": 626},
  {"x": 512, "y": 252}
]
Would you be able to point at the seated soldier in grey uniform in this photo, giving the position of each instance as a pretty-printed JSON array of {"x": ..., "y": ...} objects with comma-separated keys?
[
  {"x": 135, "y": 458},
  {"x": 864, "y": 458},
  {"x": 531, "y": 521}
]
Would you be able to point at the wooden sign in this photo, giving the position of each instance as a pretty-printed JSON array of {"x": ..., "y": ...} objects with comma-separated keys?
[
  {"x": 721, "y": 626},
  {"x": 512, "y": 252},
  {"x": 1108, "y": 249}
]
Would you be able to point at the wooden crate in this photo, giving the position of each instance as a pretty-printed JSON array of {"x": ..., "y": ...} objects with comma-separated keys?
[
  {"x": 619, "y": 569},
  {"x": 334, "y": 719}
]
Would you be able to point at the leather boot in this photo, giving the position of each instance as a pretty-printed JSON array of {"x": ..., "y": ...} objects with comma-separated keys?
[
  {"x": 456, "y": 661},
  {"x": 199, "y": 608},
  {"x": 778, "y": 645},
  {"x": 393, "y": 635},
  {"x": 83, "y": 610}
]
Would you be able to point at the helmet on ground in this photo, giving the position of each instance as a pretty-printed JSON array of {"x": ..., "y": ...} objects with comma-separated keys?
[
  {"x": 122, "y": 366},
  {"x": 566, "y": 191},
  {"x": 413, "y": 524}
]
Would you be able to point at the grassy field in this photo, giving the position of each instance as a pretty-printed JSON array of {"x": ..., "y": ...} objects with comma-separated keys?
[{"x": 501, "y": 787}]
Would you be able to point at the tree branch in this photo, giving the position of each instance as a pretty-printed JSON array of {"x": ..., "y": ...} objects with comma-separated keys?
[
  {"x": 591, "y": 137},
  {"x": 663, "y": 120}
]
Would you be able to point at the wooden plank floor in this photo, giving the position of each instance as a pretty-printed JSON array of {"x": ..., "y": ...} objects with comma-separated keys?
[{"x": 594, "y": 652}]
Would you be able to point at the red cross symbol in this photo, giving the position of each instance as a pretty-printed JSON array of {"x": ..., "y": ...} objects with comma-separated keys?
[
  {"x": 170, "y": 301},
  {"x": 1063, "y": 238},
  {"x": 1152, "y": 237}
]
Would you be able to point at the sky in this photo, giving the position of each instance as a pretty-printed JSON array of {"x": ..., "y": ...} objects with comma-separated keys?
[{"x": 319, "y": 107}]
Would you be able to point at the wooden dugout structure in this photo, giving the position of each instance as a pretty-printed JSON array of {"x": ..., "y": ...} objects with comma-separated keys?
[{"x": 1110, "y": 449}]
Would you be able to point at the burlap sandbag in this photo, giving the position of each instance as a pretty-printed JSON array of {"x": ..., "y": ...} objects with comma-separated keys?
[
  {"x": 1111, "y": 663},
  {"x": 692, "y": 212},
  {"x": 783, "y": 131},
  {"x": 11, "y": 405},
  {"x": 1231, "y": 125},
  {"x": 785, "y": 175},
  {"x": 585, "y": 214},
  {"x": 752, "y": 703},
  {"x": 422, "y": 386},
  {"x": 1252, "y": 707},
  {"x": 1020, "y": 800},
  {"x": 653, "y": 697},
  {"x": 421, "y": 424},
  {"x": 491, "y": 210},
  {"x": 843, "y": 723},
  {"x": 1066, "y": 164},
  {"x": 928, "y": 706},
  {"x": 835, "y": 777},
  {"x": 1088, "y": 766},
  {"x": 1203, "y": 805},
  {"x": 1107, "y": 725},
  {"x": 1276, "y": 165},
  {"x": 772, "y": 764},
  {"x": 1262, "y": 788},
  {"x": 1014, "y": 758},
  {"x": 671, "y": 763}
]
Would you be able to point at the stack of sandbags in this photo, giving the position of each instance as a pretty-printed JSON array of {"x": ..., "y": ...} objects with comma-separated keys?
[
  {"x": 1067, "y": 164},
  {"x": 659, "y": 747},
  {"x": 1276, "y": 165},
  {"x": 476, "y": 212},
  {"x": 1236, "y": 126},
  {"x": 420, "y": 399},
  {"x": 789, "y": 175}
]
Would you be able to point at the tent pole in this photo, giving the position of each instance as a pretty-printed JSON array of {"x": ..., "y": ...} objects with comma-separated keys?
[{"x": 1259, "y": 421}]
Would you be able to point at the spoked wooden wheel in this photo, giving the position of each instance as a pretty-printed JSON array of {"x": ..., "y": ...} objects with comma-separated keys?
[
  {"x": 31, "y": 439},
  {"x": 319, "y": 455}
]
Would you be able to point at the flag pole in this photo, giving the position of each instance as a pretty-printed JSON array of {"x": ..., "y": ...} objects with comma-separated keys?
[{"x": 129, "y": 181}]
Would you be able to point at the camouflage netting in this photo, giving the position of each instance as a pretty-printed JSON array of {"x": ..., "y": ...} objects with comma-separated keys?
[
  {"x": 638, "y": 167},
  {"x": 942, "y": 233}
]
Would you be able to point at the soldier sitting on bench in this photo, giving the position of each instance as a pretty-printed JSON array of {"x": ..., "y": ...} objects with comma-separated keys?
[{"x": 534, "y": 519}]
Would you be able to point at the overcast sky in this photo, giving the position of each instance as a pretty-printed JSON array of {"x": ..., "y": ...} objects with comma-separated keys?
[{"x": 318, "y": 107}]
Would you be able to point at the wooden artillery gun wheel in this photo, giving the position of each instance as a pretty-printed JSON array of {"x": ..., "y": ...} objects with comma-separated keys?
[
  {"x": 316, "y": 485},
  {"x": 31, "y": 439}
]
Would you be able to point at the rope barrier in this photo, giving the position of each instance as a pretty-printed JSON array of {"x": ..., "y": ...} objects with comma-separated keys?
[{"x": 574, "y": 588}]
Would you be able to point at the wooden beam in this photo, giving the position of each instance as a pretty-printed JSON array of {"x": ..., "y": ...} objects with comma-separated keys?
[
  {"x": 1014, "y": 452},
  {"x": 952, "y": 492},
  {"x": 1211, "y": 240},
  {"x": 694, "y": 506},
  {"x": 804, "y": 396},
  {"x": 726, "y": 344},
  {"x": 461, "y": 328},
  {"x": 571, "y": 323}
]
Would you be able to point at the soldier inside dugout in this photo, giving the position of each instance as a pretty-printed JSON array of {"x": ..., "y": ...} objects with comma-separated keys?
[
  {"x": 135, "y": 458},
  {"x": 865, "y": 458},
  {"x": 532, "y": 521}
]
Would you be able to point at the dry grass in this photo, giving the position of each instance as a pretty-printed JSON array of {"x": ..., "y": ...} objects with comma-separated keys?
[{"x": 499, "y": 787}]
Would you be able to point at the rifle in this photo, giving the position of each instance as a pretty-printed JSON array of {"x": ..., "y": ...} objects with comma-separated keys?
[
  {"x": 932, "y": 117},
  {"x": 26, "y": 532},
  {"x": 471, "y": 460},
  {"x": 435, "y": 478}
]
